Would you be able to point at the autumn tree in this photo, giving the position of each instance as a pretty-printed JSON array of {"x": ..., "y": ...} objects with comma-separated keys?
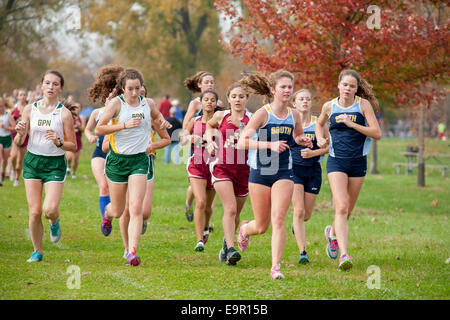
[
  {"x": 166, "y": 40},
  {"x": 395, "y": 45},
  {"x": 25, "y": 38}
]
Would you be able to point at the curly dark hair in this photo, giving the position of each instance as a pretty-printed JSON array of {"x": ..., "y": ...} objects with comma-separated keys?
[{"x": 111, "y": 79}]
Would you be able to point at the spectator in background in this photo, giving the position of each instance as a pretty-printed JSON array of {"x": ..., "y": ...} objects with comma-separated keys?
[
  {"x": 441, "y": 131},
  {"x": 164, "y": 107},
  {"x": 178, "y": 113},
  {"x": 174, "y": 137},
  {"x": 15, "y": 95}
]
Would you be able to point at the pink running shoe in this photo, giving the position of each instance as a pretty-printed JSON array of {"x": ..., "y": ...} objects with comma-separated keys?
[
  {"x": 243, "y": 242},
  {"x": 332, "y": 248},
  {"x": 345, "y": 262},
  {"x": 275, "y": 272}
]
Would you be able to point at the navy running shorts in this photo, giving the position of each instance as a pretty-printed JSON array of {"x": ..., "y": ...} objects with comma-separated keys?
[
  {"x": 269, "y": 179},
  {"x": 353, "y": 167},
  {"x": 309, "y": 176}
]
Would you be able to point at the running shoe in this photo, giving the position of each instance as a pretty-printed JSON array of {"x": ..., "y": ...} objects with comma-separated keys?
[
  {"x": 74, "y": 176},
  {"x": 106, "y": 227},
  {"x": 35, "y": 257},
  {"x": 200, "y": 246},
  {"x": 275, "y": 272},
  {"x": 243, "y": 242},
  {"x": 233, "y": 256},
  {"x": 144, "y": 227},
  {"x": 133, "y": 260},
  {"x": 304, "y": 259},
  {"x": 189, "y": 213},
  {"x": 211, "y": 228},
  {"x": 223, "y": 252},
  {"x": 345, "y": 262},
  {"x": 205, "y": 236},
  {"x": 55, "y": 232},
  {"x": 125, "y": 254},
  {"x": 16, "y": 183},
  {"x": 332, "y": 245}
]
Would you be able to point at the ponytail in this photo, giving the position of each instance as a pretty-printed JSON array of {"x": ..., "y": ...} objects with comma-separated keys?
[
  {"x": 191, "y": 83},
  {"x": 261, "y": 85}
]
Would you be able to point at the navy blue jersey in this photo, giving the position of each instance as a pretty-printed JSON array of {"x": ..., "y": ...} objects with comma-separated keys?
[
  {"x": 346, "y": 142},
  {"x": 275, "y": 129},
  {"x": 296, "y": 149}
]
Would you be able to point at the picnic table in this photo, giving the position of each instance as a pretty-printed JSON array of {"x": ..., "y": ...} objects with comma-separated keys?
[{"x": 411, "y": 162}]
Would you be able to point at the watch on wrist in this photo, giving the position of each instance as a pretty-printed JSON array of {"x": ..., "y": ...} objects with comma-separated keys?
[{"x": 61, "y": 142}]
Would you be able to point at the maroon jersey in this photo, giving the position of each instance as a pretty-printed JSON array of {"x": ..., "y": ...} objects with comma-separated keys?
[
  {"x": 17, "y": 115},
  {"x": 198, "y": 164},
  {"x": 78, "y": 133},
  {"x": 228, "y": 153},
  {"x": 231, "y": 163}
]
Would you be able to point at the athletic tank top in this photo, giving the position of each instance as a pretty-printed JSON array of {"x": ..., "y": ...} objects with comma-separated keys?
[
  {"x": 346, "y": 142},
  {"x": 310, "y": 132},
  {"x": 99, "y": 138},
  {"x": 5, "y": 121},
  {"x": 228, "y": 153},
  {"x": 39, "y": 124},
  {"x": 200, "y": 112},
  {"x": 17, "y": 115},
  {"x": 131, "y": 140},
  {"x": 275, "y": 129},
  {"x": 200, "y": 154}
]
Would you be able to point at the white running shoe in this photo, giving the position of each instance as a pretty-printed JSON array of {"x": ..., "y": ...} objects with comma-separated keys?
[{"x": 275, "y": 272}]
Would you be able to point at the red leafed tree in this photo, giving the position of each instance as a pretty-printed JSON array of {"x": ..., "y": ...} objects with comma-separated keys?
[{"x": 399, "y": 46}]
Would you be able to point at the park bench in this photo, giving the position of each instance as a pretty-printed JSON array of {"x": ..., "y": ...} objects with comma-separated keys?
[{"x": 410, "y": 163}]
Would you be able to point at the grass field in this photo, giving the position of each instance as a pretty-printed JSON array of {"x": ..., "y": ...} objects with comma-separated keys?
[{"x": 396, "y": 226}]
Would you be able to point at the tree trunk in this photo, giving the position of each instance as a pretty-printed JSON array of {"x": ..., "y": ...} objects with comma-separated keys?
[
  {"x": 420, "y": 156},
  {"x": 447, "y": 114},
  {"x": 374, "y": 157}
]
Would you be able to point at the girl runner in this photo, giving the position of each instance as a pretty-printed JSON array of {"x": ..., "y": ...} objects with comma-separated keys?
[
  {"x": 98, "y": 159},
  {"x": 51, "y": 132},
  {"x": 127, "y": 164},
  {"x": 271, "y": 178},
  {"x": 198, "y": 83},
  {"x": 230, "y": 171},
  {"x": 18, "y": 152},
  {"x": 148, "y": 198},
  {"x": 307, "y": 172},
  {"x": 5, "y": 138},
  {"x": 79, "y": 128},
  {"x": 352, "y": 125},
  {"x": 198, "y": 167}
]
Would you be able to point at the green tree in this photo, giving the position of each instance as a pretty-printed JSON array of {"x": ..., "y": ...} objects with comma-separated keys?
[{"x": 167, "y": 40}]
